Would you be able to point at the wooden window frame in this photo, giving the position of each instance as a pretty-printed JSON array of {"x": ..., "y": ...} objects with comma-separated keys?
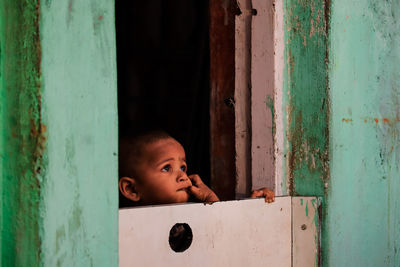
[{"x": 246, "y": 41}]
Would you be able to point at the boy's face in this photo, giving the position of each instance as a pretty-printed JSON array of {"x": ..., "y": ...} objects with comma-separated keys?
[{"x": 162, "y": 174}]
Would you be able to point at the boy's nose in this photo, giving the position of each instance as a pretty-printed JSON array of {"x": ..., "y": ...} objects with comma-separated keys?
[{"x": 183, "y": 177}]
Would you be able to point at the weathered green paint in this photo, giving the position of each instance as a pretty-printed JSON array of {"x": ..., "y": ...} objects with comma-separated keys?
[
  {"x": 363, "y": 201},
  {"x": 343, "y": 113},
  {"x": 58, "y": 134},
  {"x": 23, "y": 162},
  {"x": 305, "y": 96},
  {"x": 269, "y": 102}
]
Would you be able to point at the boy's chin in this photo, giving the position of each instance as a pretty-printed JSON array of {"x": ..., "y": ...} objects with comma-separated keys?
[{"x": 182, "y": 197}]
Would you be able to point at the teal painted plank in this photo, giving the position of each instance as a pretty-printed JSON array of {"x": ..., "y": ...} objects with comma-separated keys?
[
  {"x": 80, "y": 203},
  {"x": 364, "y": 204}
]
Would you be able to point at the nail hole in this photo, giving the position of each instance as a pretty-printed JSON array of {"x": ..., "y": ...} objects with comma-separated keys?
[
  {"x": 180, "y": 237},
  {"x": 230, "y": 102},
  {"x": 254, "y": 12},
  {"x": 303, "y": 227}
]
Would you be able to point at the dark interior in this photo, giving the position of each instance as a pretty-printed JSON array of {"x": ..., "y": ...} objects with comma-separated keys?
[{"x": 163, "y": 73}]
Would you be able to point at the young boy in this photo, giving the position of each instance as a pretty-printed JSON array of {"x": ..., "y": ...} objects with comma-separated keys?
[{"x": 153, "y": 169}]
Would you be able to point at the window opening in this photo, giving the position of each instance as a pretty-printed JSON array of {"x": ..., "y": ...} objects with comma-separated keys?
[{"x": 163, "y": 73}]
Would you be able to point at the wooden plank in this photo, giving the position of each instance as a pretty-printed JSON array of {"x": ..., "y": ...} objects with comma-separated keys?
[
  {"x": 222, "y": 83},
  {"x": 242, "y": 98},
  {"x": 262, "y": 95},
  {"x": 232, "y": 233}
]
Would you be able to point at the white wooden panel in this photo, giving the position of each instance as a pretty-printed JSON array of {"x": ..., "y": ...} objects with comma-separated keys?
[
  {"x": 305, "y": 231},
  {"x": 262, "y": 94},
  {"x": 232, "y": 233}
]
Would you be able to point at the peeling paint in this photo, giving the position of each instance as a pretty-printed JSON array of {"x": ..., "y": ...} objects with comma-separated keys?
[
  {"x": 269, "y": 102},
  {"x": 23, "y": 133},
  {"x": 307, "y": 130}
]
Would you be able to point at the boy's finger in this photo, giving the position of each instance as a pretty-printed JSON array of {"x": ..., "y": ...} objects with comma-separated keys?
[
  {"x": 195, "y": 191},
  {"x": 257, "y": 193},
  {"x": 270, "y": 197},
  {"x": 269, "y": 200},
  {"x": 195, "y": 179}
]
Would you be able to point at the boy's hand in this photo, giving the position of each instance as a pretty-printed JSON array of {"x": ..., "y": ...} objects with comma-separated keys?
[
  {"x": 200, "y": 191},
  {"x": 264, "y": 192}
]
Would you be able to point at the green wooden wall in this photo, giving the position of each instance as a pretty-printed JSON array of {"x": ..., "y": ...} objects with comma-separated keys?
[
  {"x": 342, "y": 104},
  {"x": 58, "y": 125}
]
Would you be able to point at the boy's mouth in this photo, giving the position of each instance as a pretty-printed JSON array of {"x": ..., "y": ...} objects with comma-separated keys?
[{"x": 186, "y": 189}]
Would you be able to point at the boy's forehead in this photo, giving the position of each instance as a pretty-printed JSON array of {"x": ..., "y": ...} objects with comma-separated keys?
[{"x": 163, "y": 148}]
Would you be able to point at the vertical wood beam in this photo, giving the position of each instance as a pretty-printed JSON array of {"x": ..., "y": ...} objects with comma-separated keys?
[
  {"x": 242, "y": 98},
  {"x": 222, "y": 79},
  {"x": 262, "y": 95}
]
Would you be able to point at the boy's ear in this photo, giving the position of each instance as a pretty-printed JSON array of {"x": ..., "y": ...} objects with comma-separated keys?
[{"x": 127, "y": 186}]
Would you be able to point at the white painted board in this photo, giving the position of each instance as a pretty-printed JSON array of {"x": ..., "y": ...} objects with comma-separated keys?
[
  {"x": 306, "y": 223},
  {"x": 232, "y": 233}
]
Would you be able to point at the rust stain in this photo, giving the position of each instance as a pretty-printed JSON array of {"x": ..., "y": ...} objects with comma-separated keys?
[
  {"x": 100, "y": 17},
  {"x": 33, "y": 130},
  {"x": 347, "y": 120},
  {"x": 39, "y": 130},
  {"x": 389, "y": 121},
  {"x": 327, "y": 9}
]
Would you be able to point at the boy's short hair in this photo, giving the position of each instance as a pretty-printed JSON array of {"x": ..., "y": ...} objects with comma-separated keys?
[{"x": 131, "y": 150}]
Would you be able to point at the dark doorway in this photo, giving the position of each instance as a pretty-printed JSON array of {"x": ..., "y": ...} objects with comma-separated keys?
[{"x": 163, "y": 73}]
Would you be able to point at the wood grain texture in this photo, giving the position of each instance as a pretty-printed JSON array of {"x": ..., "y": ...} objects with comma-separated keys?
[{"x": 222, "y": 115}]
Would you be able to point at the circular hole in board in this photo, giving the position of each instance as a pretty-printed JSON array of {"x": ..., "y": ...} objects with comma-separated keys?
[{"x": 180, "y": 237}]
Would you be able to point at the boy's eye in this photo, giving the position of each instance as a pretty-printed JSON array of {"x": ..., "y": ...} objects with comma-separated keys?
[
  {"x": 166, "y": 168},
  {"x": 183, "y": 168}
]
